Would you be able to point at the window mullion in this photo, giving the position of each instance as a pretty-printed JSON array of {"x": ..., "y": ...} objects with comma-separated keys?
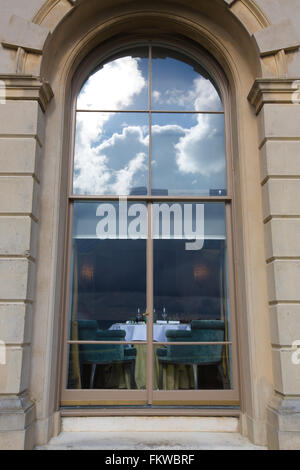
[{"x": 150, "y": 120}]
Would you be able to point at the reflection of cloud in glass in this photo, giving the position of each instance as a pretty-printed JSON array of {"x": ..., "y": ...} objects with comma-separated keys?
[
  {"x": 185, "y": 157},
  {"x": 189, "y": 153},
  {"x": 114, "y": 166},
  {"x": 203, "y": 96},
  {"x": 201, "y": 150},
  {"x": 156, "y": 95},
  {"x": 115, "y": 86},
  {"x": 111, "y": 153},
  {"x": 180, "y": 83}
]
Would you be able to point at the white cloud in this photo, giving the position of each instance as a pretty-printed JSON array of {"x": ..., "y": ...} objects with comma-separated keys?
[
  {"x": 201, "y": 150},
  {"x": 156, "y": 95},
  {"x": 168, "y": 129},
  {"x": 115, "y": 86},
  {"x": 114, "y": 166},
  {"x": 108, "y": 162},
  {"x": 206, "y": 96},
  {"x": 125, "y": 176},
  {"x": 202, "y": 97}
]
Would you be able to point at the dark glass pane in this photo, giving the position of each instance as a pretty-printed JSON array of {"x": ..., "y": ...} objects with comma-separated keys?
[
  {"x": 108, "y": 282},
  {"x": 111, "y": 153},
  {"x": 190, "y": 265},
  {"x": 195, "y": 367},
  {"x": 188, "y": 154},
  {"x": 104, "y": 366},
  {"x": 180, "y": 83},
  {"x": 108, "y": 293},
  {"x": 119, "y": 84}
]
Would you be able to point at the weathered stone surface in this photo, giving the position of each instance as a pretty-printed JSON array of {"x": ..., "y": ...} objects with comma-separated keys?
[
  {"x": 14, "y": 374},
  {"x": 22, "y": 239},
  {"x": 283, "y": 280},
  {"x": 286, "y": 373},
  {"x": 284, "y": 424},
  {"x": 22, "y": 118},
  {"x": 15, "y": 323},
  {"x": 16, "y": 412},
  {"x": 19, "y": 195},
  {"x": 16, "y": 279},
  {"x": 20, "y": 156},
  {"x": 280, "y": 158},
  {"x": 22, "y": 33},
  {"x": 279, "y": 121},
  {"x": 281, "y": 197},
  {"x": 277, "y": 37},
  {"x": 282, "y": 238},
  {"x": 285, "y": 324}
]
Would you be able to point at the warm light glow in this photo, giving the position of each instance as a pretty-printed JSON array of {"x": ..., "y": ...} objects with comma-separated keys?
[
  {"x": 201, "y": 272},
  {"x": 87, "y": 272}
]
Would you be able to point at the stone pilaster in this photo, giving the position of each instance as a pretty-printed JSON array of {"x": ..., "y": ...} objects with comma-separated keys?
[
  {"x": 278, "y": 110},
  {"x": 21, "y": 139}
]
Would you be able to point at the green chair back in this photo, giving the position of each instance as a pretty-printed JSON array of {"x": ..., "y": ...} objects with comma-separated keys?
[
  {"x": 201, "y": 331},
  {"x": 99, "y": 353}
]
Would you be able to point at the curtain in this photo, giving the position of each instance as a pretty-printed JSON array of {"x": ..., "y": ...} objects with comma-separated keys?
[
  {"x": 74, "y": 381},
  {"x": 224, "y": 312}
]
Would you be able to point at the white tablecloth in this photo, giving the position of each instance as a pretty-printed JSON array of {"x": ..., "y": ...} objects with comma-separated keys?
[{"x": 139, "y": 332}]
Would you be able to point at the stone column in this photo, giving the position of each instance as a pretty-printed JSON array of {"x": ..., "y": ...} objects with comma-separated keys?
[
  {"x": 278, "y": 111},
  {"x": 22, "y": 107}
]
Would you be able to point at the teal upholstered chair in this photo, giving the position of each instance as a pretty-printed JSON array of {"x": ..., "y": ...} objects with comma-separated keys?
[
  {"x": 104, "y": 354},
  {"x": 194, "y": 355}
]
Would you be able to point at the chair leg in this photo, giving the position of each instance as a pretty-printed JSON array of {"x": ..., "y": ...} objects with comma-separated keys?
[
  {"x": 132, "y": 381},
  {"x": 195, "y": 370},
  {"x": 222, "y": 375},
  {"x": 93, "y": 372},
  {"x": 160, "y": 365}
]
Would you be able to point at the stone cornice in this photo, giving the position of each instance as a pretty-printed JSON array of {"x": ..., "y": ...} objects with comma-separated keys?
[
  {"x": 274, "y": 91},
  {"x": 27, "y": 87}
]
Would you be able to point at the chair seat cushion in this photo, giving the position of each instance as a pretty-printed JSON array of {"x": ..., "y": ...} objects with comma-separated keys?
[
  {"x": 183, "y": 335},
  {"x": 188, "y": 360},
  {"x": 102, "y": 354},
  {"x": 207, "y": 325},
  {"x": 129, "y": 353},
  {"x": 161, "y": 352},
  {"x": 114, "y": 335}
]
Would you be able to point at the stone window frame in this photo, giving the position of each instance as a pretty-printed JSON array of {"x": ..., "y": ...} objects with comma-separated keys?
[{"x": 219, "y": 400}]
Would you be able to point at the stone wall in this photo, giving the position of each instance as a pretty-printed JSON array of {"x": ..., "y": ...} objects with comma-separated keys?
[{"x": 268, "y": 30}]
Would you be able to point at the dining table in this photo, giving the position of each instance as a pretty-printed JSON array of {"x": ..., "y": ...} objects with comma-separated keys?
[{"x": 138, "y": 332}]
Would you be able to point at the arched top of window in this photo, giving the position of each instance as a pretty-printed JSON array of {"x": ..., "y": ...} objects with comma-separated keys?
[
  {"x": 150, "y": 122},
  {"x": 177, "y": 82}
]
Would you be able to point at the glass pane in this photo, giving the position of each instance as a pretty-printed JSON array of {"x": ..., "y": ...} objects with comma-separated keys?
[
  {"x": 108, "y": 271},
  {"x": 180, "y": 83},
  {"x": 199, "y": 367},
  {"x": 188, "y": 154},
  {"x": 119, "y": 84},
  {"x": 190, "y": 267},
  {"x": 104, "y": 366},
  {"x": 111, "y": 153}
]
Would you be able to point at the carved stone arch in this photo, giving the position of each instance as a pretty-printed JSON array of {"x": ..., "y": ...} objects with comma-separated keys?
[
  {"x": 247, "y": 45},
  {"x": 32, "y": 37},
  {"x": 217, "y": 30}
]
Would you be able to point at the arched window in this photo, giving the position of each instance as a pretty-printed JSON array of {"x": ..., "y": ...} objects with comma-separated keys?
[{"x": 150, "y": 310}]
